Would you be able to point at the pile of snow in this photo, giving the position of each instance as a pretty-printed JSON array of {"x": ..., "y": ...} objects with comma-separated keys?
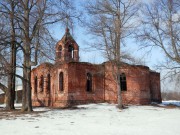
[
  {"x": 171, "y": 102},
  {"x": 96, "y": 119},
  {"x": 17, "y": 105}
]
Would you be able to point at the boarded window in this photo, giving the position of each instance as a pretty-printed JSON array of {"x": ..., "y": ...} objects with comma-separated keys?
[
  {"x": 35, "y": 84},
  {"x": 123, "y": 82},
  {"x": 89, "y": 82},
  {"x": 71, "y": 51},
  {"x": 61, "y": 79},
  {"x": 49, "y": 82}
]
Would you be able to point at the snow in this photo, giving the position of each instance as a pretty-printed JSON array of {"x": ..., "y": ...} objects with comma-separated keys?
[
  {"x": 171, "y": 102},
  {"x": 1, "y": 92},
  {"x": 95, "y": 119}
]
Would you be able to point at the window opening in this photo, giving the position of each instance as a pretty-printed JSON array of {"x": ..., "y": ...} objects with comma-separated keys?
[
  {"x": 89, "y": 82},
  {"x": 35, "y": 84},
  {"x": 49, "y": 82},
  {"x": 123, "y": 82},
  {"x": 61, "y": 78},
  {"x": 71, "y": 51}
]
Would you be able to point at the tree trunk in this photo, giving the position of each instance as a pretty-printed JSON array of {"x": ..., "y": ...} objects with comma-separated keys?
[
  {"x": 118, "y": 56},
  {"x": 28, "y": 77},
  {"x": 24, "y": 107},
  {"x": 28, "y": 91},
  {"x": 120, "y": 105},
  {"x": 13, "y": 69},
  {"x": 26, "y": 100},
  {"x": 27, "y": 104},
  {"x": 10, "y": 94}
]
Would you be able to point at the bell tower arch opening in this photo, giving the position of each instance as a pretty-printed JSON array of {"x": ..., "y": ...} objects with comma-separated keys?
[{"x": 71, "y": 51}]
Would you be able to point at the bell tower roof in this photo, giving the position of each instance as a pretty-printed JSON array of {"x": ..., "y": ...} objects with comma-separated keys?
[{"x": 67, "y": 37}]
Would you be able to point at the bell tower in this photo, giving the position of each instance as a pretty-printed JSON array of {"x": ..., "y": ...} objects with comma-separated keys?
[{"x": 67, "y": 50}]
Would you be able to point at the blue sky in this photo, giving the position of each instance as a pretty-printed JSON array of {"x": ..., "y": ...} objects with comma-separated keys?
[
  {"x": 82, "y": 38},
  {"x": 89, "y": 55}
]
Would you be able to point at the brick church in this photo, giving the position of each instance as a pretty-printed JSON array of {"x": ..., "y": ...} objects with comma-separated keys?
[{"x": 69, "y": 82}]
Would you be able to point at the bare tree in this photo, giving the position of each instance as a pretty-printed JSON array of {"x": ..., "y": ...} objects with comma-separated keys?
[
  {"x": 160, "y": 27},
  {"x": 31, "y": 19},
  {"x": 3, "y": 59},
  {"x": 9, "y": 41},
  {"x": 111, "y": 22},
  {"x": 35, "y": 17}
]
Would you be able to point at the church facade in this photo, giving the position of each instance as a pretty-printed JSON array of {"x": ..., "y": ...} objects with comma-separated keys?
[{"x": 70, "y": 82}]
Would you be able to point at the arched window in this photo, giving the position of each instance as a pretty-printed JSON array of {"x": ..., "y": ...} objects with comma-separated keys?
[
  {"x": 35, "y": 84},
  {"x": 71, "y": 51},
  {"x": 123, "y": 82},
  {"x": 49, "y": 82},
  {"x": 60, "y": 51},
  {"x": 61, "y": 80},
  {"x": 42, "y": 83},
  {"x": 89, "y": 82}
]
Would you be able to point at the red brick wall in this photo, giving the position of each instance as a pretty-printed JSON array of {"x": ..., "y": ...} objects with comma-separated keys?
[
  {"x": 74, "y": 84},
  {"x": 155, "y": 88},
  {"x": 137, "y": 78},
  {"x": 59, "y": 98},
  {"x": 139, "y": 83},
  {"x": 77, "y": 83},
  {"x": 40, "y": 98}
]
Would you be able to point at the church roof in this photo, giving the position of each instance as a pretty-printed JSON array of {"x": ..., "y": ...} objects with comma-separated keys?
[{"x": 67, "y": 36}]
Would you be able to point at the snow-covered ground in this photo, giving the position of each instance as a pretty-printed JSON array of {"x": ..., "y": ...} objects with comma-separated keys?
[{"x": 95, "y": 119}]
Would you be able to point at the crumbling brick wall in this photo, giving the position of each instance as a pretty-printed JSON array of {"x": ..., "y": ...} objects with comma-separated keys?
[
  {"x": 77, "y": 83},
  {"x": 137, "y": 80},
  {"x": 155, "y": 88}
]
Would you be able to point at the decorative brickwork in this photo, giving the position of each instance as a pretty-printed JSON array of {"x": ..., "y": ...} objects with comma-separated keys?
[{"x": 70, "y": 82}]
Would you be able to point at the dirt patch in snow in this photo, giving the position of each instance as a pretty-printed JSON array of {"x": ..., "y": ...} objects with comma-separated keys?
[
  {"x": 14, "y": 114},
  {"x": 9, "y": 115}
]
